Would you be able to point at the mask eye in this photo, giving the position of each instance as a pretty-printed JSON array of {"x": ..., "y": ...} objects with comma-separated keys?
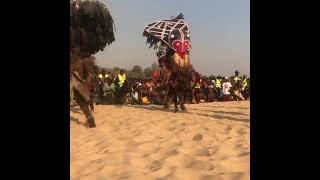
[
  {"x": 188, "y": 35},
  {"x": 172, "y": 36}
]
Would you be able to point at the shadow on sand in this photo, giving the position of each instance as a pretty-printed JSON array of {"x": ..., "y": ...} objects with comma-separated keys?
[
  {"x": 76, "y": 120},
  {"x": 222, "y": 112},
  {"x": 159, "y": 108},
  {"x": 152, "y": 107},
  {"x": 226, "y": 117}
]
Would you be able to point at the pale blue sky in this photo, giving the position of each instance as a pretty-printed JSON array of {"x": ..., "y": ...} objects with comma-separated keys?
[{"x": 220, "y": 33}]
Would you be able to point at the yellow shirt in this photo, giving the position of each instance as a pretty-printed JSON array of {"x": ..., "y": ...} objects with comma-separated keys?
[
  {"x": 218, "y": 83},
  {"x": 236, "y": 78},
  {"x": 122, "y": 78},
  {"x": 101, "y": 76},
  {"x": 244, "y": 83}
]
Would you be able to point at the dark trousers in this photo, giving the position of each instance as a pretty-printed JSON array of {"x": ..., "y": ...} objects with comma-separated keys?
[
  {"x": 226, "y": 97},
  {"x": 197, "y": 94},
  {"x": 101, "y": 92}
]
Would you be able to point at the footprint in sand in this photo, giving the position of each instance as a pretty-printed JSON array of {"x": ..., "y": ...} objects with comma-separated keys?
[
  {"x": 171, "y": 152},
  {"x": 168, "y": 176},
  {"x": 238, "y": 146},
  {"x": 241, "y": 132},
  {"x": 203, "y": 152},
  {"x": 171, "y": 128},
  {"x": 200, "y": 165},
  {"x": 244, "y": 153},
  {"x": 180, "y": 130},
  {"x": 103, "y": 150},
  {"x": 197, "y": 137},
  {"x": 228, "y": 128},
  {"x": 155, "y": 165},
  {"x": 99, "y": 143},
  {"x": 213, "y": 150}
]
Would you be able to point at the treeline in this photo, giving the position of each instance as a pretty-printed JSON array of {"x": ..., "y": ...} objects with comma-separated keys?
[{"x": 135, "y": 72}]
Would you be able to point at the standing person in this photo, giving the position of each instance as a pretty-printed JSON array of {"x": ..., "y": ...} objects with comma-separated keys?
[
  {"x": 218, "y": 87},
  {"x": 244, "y": 82},
  {"x": 226, "y": 89},
  {"x": 245, "y": 87},
  {"x": 213, "y": 81},
  {"x": 101, "y": 79},
  {"x": 205, "y": 89},
  {"x": 197, "y": 88},
  {"x": 108, "y": 90},
  {"x": 237, "y": 87},
  {"x": 120, "y": 79},
  {"x": 236, "y": 81}
]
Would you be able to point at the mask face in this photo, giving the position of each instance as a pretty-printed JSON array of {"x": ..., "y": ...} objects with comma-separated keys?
[{"x": 179, "y": 41}]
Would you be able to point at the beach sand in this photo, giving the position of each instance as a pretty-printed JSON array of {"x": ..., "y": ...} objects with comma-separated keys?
[{"x": 210, "y": 141}]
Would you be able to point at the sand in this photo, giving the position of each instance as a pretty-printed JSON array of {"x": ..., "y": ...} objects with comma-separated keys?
[{"x": 210, "y": 141}]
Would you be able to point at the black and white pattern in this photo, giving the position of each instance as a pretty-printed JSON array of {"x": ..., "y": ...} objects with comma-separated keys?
[{"x": 159, "y": 30}]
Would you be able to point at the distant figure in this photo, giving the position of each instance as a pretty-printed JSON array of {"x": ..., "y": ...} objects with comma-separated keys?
[
  {"x": 197, "y": 88},
  {"x": 244, "y": 82},
  {"x": 109, "y": 90},
  {"x": 101, "y": 77},
  {"x": 205, "y": 89},
  {"x": 245, "y": 87},
  {"x": 121, "y": 78},
  {"x": 218, "y": 88},
  {"x": 236, "y": 80},
  {"x": 120, "y": 89},
  {"x": 226, "y": 89}
]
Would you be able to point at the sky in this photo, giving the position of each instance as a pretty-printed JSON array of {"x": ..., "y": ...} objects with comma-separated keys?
[{"x": 219, "y": 32}]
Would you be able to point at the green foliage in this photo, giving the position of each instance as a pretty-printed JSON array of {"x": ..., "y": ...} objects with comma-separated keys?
[
  {"x": 116, "y": 70},
  {"x": 147, "y": 72}
]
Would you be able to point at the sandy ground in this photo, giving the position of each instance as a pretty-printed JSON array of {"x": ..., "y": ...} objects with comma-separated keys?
[{"x": 210, "y": 141}]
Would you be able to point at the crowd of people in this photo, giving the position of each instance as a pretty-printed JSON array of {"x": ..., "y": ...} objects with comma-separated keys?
[{"x": 118, "y": 89}]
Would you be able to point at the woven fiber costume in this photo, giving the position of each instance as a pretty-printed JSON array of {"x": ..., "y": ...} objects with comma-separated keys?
[
  {"x": 91, "y": 29},
  {"x": 171, "y": 38}
]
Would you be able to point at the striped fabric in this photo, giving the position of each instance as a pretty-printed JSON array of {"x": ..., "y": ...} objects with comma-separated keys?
[{"x": 159, "y": 30}]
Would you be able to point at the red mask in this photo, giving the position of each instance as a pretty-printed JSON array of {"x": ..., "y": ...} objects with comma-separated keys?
[
  {"x": 180, "y": 46},
  {"x": 180, "y": 41}
]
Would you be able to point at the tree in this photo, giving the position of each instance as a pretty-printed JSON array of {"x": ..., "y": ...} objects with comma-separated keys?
[
  {"x": 137, "y": 72},
  {"x": 116, "y": 70},
  {"x": 108, "y": 70},
  {"x": 204, "y": 77},
  {"x": 147, "y": 71},
  {"x": 99, "y": 69}
]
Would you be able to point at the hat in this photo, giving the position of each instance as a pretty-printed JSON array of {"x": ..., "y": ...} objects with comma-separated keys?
[{"x": 121, "y": 70}]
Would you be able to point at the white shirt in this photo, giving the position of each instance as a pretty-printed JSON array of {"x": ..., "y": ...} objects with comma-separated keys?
[
  {"x": 135, "y": 95},
  {"x": 226, "y": 87}
]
